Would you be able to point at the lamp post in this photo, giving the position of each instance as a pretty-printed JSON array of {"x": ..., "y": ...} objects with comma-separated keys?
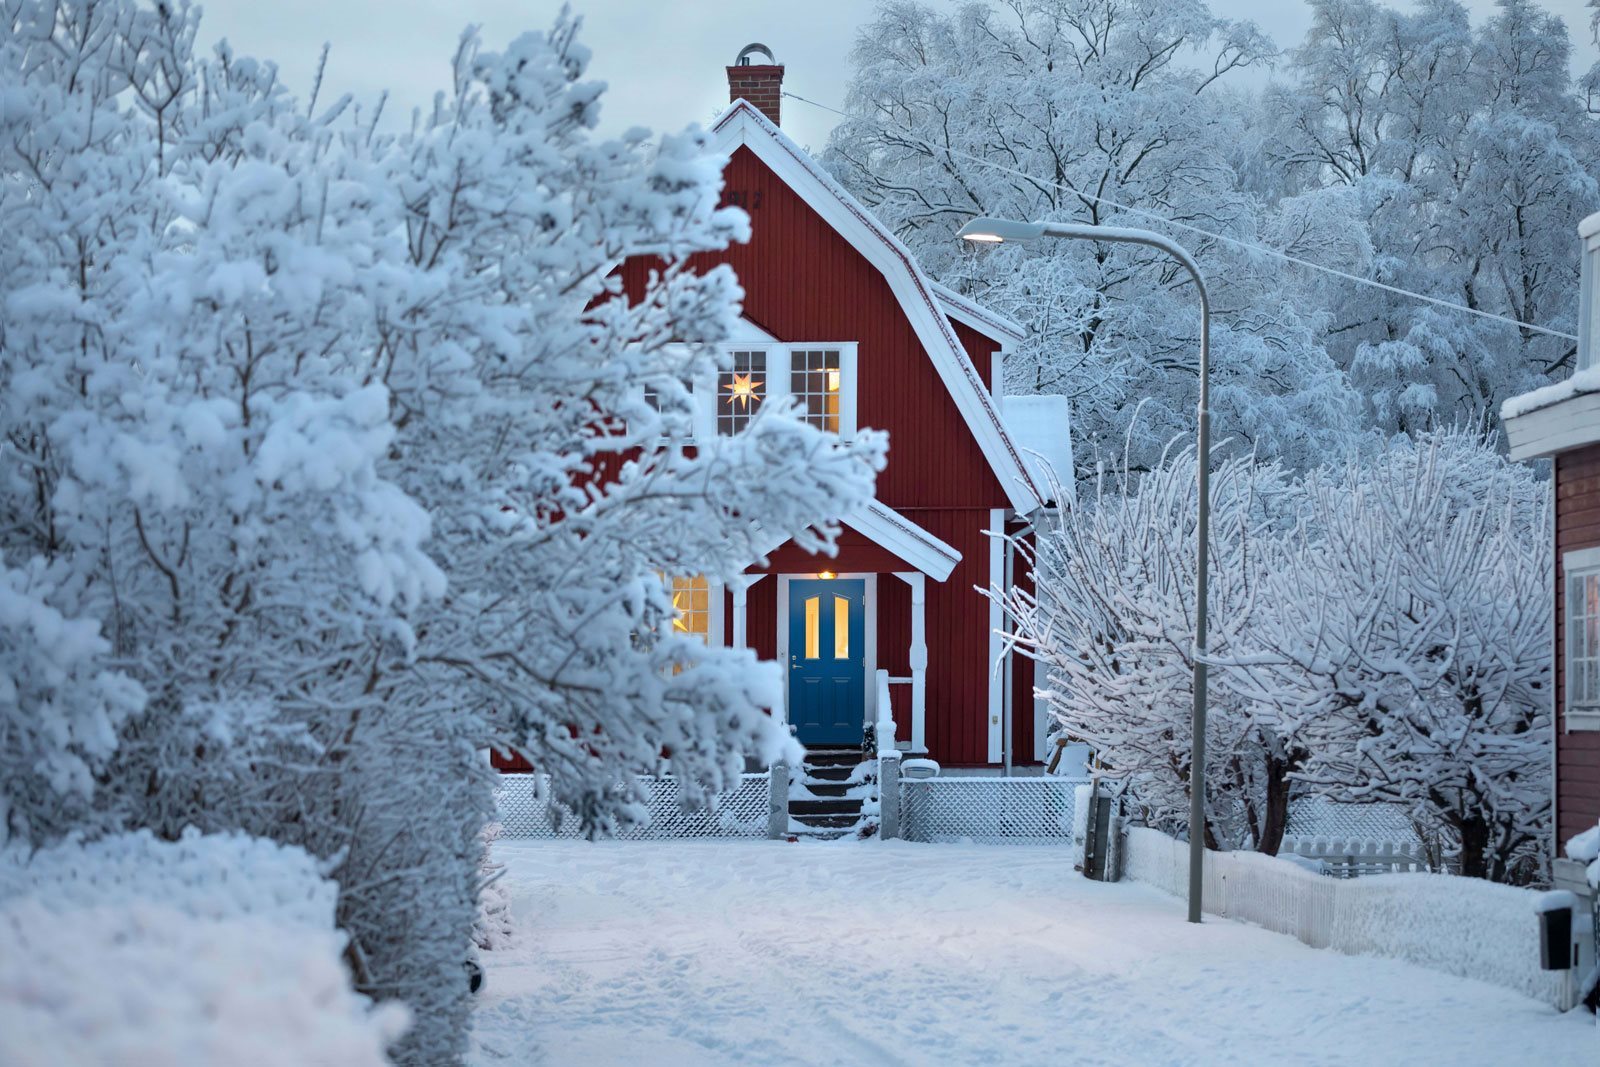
[{"x": 993, "y": 231}]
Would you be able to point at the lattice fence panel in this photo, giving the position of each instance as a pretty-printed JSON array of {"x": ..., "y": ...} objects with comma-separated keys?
[
  {"x": 1009, "y": 810},
  {"x": 739, "y": 812}
]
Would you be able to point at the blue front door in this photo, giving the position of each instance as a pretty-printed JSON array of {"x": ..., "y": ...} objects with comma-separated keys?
[{"x": 827, "y": 660}]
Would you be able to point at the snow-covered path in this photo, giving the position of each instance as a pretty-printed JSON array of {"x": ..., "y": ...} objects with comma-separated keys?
[{"x": 886, "y": 953}]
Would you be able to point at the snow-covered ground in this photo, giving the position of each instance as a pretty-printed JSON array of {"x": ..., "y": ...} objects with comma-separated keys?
[{"x": 887, "y": 952}]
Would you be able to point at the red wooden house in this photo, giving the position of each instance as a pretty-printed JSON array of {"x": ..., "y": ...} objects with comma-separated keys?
[
  {"x": 838, "y": 315},
  {"x": 1562, "y": 422}
]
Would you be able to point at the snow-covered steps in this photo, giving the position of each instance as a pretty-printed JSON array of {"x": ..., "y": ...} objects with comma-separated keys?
[{"x": 827, "y": 797}]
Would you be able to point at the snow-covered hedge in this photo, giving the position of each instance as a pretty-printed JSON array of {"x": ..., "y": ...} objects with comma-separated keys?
[
  {"x": 212, "y": 949},
  {"x": 1461, "y": 926}
]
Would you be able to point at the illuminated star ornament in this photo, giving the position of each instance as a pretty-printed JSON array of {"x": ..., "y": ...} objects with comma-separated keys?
[
  {"x": 679, "y": 623},
  {"x": 741, "y": 390}
]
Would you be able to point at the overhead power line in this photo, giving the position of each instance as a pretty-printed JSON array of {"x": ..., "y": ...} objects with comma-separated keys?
[{"x": 1162, "y": 219}]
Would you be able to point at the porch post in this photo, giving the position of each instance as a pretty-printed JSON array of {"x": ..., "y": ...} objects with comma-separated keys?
[
  {"x": 740, "y": 630},
  {"x": 740, "y": 588},
  {"x": 918, "y": 657}
]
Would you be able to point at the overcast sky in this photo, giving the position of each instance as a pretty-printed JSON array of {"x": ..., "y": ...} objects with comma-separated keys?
[{"x": 663, "y": 59}]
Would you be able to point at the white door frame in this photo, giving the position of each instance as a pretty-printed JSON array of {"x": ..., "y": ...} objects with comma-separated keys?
[{"x": 869, "y": 652}]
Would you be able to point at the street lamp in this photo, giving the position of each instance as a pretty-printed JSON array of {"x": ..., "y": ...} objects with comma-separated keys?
[{"x": 993, "y": 231}]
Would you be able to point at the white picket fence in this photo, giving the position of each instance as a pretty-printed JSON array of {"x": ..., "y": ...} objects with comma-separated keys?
[
  {"x": 1351, "y": 857},
  {"x": 1461, "y": 926}
]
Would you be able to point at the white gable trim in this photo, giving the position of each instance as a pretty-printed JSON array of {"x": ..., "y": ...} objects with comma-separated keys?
[
  {"x": 742, "y": 124},
  {"x": 889, "y": 529},
  {"x": 884, "y": 526},
  {"x": 745, "y": 332},
  {"x": 987, "y": 322}
]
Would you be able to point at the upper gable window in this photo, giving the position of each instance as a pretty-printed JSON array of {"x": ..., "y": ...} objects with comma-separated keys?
[
  {"x": 820, "y": 378},
  {"x": 815, "y": 381}
]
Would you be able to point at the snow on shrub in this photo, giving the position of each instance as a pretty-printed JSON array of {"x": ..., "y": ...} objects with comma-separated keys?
[
  {"x": 211, "y": 949},
  {"x": 1380, "y": 634},
  {"x": 1585, "y": 848},
  {"x": 318, "y": 420}
]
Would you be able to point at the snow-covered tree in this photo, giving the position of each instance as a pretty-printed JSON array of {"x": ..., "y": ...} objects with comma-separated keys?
[
  {"x": 327, "y": 453},
  {"x": 1111, "y": 627},
  {"x": 1471, "y": 159},
  {"x": 1406, "y": 637},
  {"x": 1047, "y": 109},
  {"x": 1379, "y": 633}
]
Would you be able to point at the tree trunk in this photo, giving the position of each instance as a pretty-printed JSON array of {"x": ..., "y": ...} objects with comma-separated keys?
[
  {"x": 1275, "y": 816},
  {"x": 1474, "y": 848}
]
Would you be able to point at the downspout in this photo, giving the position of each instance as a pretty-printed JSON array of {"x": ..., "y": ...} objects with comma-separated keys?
[
  {"x": 1007, "y": 694},
  {"x": 1556, "y": 723}
]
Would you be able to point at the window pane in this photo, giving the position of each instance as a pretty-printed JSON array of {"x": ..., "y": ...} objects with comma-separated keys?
[
  {"x": 814, "y": 379},
  {"x": 841, "y": 628},
  {"x": 1583, "y": 640},
  {"x": 741, "y": 390},
  {"x": 813, "y": 627},
  {"x": 691, "y": 599}
]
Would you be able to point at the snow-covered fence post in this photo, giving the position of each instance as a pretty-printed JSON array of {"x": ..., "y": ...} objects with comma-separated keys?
[
  {"x": 778, "y": 801},
  {"x": 888, "y": 764}
]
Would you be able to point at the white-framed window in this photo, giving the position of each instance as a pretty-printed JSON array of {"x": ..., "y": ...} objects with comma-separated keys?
[
  {"x": 1582, "y": 643},
  {"x": 691, "y": 600},
  {"x": 741, "y": 390},
  {"x": 819, "y": 376}
]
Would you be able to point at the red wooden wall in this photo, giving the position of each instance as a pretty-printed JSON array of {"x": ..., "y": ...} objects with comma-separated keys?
[
  {"x": 1577, "y": 754},
  {"x": 980, "y": 349},
  {"x": 957, "y": 630},
  {"x": 803, "y": 282}
]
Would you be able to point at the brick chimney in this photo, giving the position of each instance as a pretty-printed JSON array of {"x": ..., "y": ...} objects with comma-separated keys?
[{"x": 761, "y": 84}]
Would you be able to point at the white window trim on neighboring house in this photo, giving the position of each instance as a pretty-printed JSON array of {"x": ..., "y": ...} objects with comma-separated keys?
[
  {"x": 1582, "y": 563},
  {"x": 776, "y": 385}
]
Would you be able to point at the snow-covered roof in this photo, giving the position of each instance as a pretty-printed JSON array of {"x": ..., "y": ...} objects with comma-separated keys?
[
  {"x": 1589, "y": 226},
  {"x": 984, "y": 320},
  {"x": 1557, "y": 418},
  {"x": 888, "y": 529},
  {"x": 1042, "y": 428},
  {"x": 1584, "y": 381},
  {"x": 744, "y": 124}
]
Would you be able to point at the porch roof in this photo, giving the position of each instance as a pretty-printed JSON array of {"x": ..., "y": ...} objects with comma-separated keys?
[{"x": 892, "y": 531}]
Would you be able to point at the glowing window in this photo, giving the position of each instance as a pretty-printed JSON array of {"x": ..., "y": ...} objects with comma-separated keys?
[
  {"x": 813, "y": 627},
  {"x": 691, "y": 598},
  {"x": 841, "y": 628},
  {"x": 741, "y": 391},
  {"x": 814, "y": 382}
]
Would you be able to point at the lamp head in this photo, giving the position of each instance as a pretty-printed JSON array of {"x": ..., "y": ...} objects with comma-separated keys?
[{"x": 993, "y": 231}]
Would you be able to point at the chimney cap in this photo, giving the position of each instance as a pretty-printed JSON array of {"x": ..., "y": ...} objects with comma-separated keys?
[{"x": 744, "y": 54}]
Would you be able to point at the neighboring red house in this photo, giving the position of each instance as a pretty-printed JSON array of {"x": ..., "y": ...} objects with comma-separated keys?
[
  {"x": 1562, "y": 422},
  {"x": 838, "y": 315}
]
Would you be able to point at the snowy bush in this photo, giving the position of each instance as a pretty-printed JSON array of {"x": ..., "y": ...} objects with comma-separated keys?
[
  {"x": 1380, "y": 633},
  {"x": 209, "y": 949},
  {"x": 60, "y": 707},
  {"x": 1111, "y": 624},
  {"x": 338, "y": 441},
  {"x": 1408, "y": 636}
]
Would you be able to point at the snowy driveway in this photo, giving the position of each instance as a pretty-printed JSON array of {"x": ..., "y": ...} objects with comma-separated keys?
[{"x": 702, "y": 953}]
